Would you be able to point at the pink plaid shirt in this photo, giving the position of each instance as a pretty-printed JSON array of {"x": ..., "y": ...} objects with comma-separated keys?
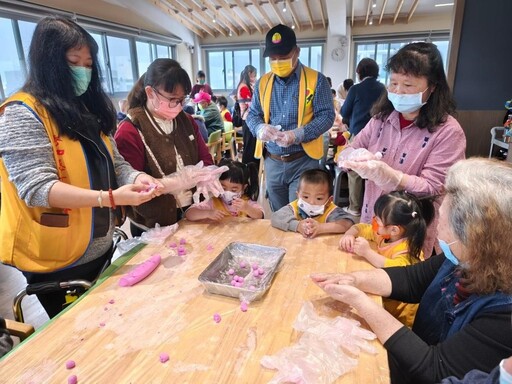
[{"x": 422, "y": 156}]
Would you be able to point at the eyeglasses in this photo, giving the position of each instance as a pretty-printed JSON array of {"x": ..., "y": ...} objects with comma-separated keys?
[{"x": 173, "y": 102}]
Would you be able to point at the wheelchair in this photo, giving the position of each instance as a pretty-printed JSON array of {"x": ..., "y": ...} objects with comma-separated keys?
[{"x": 74, "y": 288}]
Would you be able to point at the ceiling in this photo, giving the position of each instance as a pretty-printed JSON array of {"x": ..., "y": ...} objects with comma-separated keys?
[{"x": 238, "y": 17}]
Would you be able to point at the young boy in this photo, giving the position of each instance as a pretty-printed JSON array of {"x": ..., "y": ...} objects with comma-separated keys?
[
  {"x": 313, "y": 213},
  {"x": 222, "y": 104}
]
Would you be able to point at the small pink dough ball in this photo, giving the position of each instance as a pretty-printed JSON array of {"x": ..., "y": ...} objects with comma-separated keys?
[
  {"x": 244, "y": 306},
  {"x": 70, "y": 364},
  {"x": 255, "y": 266},
  {"x": 255, "y": 273},
  {"x": 233, "y": 282},
  {"x": 217, "y": 318},
  {"x": 183, "y": 241},
  {"x": 72, "y": 379},
  {"x": 164, "y": 357},
  {"x": 261, "y": 271},
  {"x": 231, "y": 271},
  {"x": 243, "y": 264}
]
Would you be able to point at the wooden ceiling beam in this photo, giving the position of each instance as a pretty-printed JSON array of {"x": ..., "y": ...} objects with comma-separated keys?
[
  {"x": 260, "y": 9},
  {"x": 398, "y": 8},
  {"x": 369, "y": 6},
  {"x": 234, "y": 15},
  {"x": 276, "y": 11},
  {"x": 176, "y": 16},
  {"x": 382, "y": 11},
  {"x": 251, "y": 17},
  {"x": 296, "y": 20},
  {"x": 185, "y": 12},
  {"x": 209, "y": 5},
  {"x": 413, "y": 9},
  {"x": 311, "y": 22},
  {"x": 322, "y": 14},
  {"x": 200, "y": 11}
]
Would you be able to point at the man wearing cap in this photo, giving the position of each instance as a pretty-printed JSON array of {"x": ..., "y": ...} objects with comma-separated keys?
[
  {"x": 291, "y": 109},
  {"x": 210, "y": 112}
]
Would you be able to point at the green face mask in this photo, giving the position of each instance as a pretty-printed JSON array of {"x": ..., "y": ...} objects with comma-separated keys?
[
  {"x": 202, "y": 81},
  {"x": 82, "y": 78},
  {"x": 200, "y": 106}
]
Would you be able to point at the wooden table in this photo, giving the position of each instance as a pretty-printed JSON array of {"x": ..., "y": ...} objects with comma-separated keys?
[{"x": 170, "y": 312}]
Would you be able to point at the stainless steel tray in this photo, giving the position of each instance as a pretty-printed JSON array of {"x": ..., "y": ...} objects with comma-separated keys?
[{"x": 216, "y": 279}]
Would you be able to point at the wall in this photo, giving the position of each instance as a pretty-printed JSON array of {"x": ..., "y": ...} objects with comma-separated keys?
[{"x": 482, "y": 80}]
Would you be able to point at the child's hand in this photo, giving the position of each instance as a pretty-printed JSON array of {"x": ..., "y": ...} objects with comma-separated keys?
[
  {"x": 240, "y": 205},
  {"x": 215, "y": 215},
  {"x": 303, "y": 228},
  {"x": 347, "y": 243},
  {"x": 361, "y": 246},
  {"x": 312, "y": 228}
]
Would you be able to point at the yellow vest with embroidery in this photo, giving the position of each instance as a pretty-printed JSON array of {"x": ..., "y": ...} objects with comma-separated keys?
[
  {"x": 219, "y": 204},
  {"x": 307, "y": 87},
  {"x": 321, "y": 218},
  {"x": 24, "y": 242}
]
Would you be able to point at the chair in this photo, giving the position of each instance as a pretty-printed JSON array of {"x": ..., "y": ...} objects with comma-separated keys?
[
  {"x": 17, "y": 329},
  {"x": 341, "y": 191},
  {"x": 497, "y": 141},
  {"x": 74, "y": 288},
  {"x": 214, "y": 145},
  {"x": 228, "y": 138}
]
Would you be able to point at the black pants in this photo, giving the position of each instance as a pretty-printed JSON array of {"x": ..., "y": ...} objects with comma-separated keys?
[{"x": 54, "y": 302}]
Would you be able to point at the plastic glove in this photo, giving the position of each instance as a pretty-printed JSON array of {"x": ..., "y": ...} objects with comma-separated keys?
[
  {"x": 387, "y": 178},
  {"x": 267, "y": 132},
  {"x": 210, "y": 184},
  {"x": 185, "y": 178},
  {"x": 287, "y": 138},
  {"x": 359, "y": 154}
]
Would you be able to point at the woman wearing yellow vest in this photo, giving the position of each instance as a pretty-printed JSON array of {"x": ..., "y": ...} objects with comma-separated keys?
[
  {"x": 62, "y": 176},
  {"x": 291, "y": 109}
]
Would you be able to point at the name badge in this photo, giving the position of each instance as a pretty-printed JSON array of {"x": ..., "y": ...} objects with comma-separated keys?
[{"x": 191, "y": 137}]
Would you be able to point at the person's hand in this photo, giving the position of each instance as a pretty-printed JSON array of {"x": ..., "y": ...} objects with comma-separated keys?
[
  {"x": 347, "y": 243},
  {"x": 312, "y": 228},
  {"x": 323, "y": 279},
  {"x": 387, "y": 178},
  {"x": 346, "y": 293},
  {"x": 287, "y": 138},
  {"x": 210, "y": 184},
  {"x": 302, "y": 228},
  {"x": 152, "y": 184},
  {"x": 267, "y": 132},
  {"x": 215, "y": 215},
  {"x": 362, "y": 246},
  {"x": 350, "y": 154},
  {"x": 240, "y": 205},
  {"x": 189, "y": 176},
  {"x": 131, "y": 194}
]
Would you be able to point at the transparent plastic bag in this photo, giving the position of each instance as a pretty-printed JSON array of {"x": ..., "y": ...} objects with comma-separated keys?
[
  {"x": 155, "y": 236},
  {"x": 326, "y": 350}
]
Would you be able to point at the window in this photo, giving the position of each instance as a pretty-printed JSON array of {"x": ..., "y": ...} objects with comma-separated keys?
[
  {"x": 120, "y": 64},
  {"x": 105, "y": 79},
  {"x": 225, "y": 66},
  {"x": 12, "y": 73},
  {"x": 26, "y": 32},
  {"x": 144, "y": 56},
  {"x": 381, "y": 51}
]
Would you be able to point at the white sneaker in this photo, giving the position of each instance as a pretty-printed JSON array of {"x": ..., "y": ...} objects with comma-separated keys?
[{"x": 351, "y": 212}]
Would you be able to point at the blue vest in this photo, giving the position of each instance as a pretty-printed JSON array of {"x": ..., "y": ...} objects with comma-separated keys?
[{"x": 438, "y": 318}]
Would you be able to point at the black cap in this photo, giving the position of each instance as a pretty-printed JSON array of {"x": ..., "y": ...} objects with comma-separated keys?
[{"x": 280, "y": 40}]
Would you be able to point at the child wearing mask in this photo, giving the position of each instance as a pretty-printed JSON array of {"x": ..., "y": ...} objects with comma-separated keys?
[
  {"x": 222, "y": 104},
  {"x": 241, "y": 189},
  {"x": 399, "y": 228},
  {"x": 313, "y": 213}
]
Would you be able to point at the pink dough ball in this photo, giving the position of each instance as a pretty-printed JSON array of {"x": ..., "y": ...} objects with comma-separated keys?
[
  {"x": 217, "y": 318},
  {"x": 231, "y": 271},
  {"x": 164, "y": 357},
  {"x": 70, "y": 364},
  {"x": 255, "y": 273},
  {"x": 183, "y": 241},
  {"x": 72, "y": 379},
  {"x": 233, "y": 282},
  {"x": 255, "y": 266},
  {"x": 244, "y": 306},
  {"x": 261, "y": 271},
  {"x": 243, "y": 264}
]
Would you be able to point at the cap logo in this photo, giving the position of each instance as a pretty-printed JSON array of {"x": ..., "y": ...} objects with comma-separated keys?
[{"x": 276, "y": 38}]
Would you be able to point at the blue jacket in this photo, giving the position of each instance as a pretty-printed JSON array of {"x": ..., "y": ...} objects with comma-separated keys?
[{"x": 359, "y": 102}]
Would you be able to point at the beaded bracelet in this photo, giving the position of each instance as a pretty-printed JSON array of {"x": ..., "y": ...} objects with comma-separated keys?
[
  {"x": 111, "y": 197},
  {"x": 100, "y": 199}
]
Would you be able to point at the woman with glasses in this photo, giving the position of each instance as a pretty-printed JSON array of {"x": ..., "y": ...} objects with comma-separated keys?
[
  {"x": 414, "y": 130},
  {"x": 159, "y": 138}
]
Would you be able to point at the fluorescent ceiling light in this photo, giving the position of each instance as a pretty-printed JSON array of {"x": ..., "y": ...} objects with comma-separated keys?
[{"x": 443, "y": 5}]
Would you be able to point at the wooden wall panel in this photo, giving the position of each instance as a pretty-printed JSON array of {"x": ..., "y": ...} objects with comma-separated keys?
[{"x": 477, "y": 127}]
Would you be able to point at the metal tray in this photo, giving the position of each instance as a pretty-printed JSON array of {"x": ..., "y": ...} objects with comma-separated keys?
[{"x": 216, "y": 280}]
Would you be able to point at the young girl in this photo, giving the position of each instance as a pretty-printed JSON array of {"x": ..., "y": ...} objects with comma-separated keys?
[
  {"x": 241, "y": 191},
  {"x": 399, "y": 228}
]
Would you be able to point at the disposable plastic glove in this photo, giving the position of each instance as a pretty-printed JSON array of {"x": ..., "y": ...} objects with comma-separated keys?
[
  {"x": 377, "y": 171},
  {"x": 211, "y": 184},
  {"x": 186, "y": 178},
  {"x": 267, "y": 132},
  {"x": 359, "y": 154},
  {"x": 287, "y": 138}
]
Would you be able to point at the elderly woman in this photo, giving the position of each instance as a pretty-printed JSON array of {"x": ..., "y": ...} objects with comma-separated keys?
[
  {"x": 413, "y": 128},
  {"x": 464, "y": 317}
]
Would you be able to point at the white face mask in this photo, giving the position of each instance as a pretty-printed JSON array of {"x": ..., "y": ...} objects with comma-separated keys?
[
  {"x": 407, "y": 103},
  {"x": 310, "y": 209},
  {"x": 228, "y": 197}
]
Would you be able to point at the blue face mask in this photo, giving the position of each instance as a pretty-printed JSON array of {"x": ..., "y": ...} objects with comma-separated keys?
[
  {"x": 406, "y": 103},
  {"x": 448, "y": 252},
  {"x": 505, "y": 377},
  {"x": 82, "y": 78}
]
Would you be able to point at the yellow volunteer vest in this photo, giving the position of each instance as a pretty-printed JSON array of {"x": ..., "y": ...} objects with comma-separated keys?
[
  {"x": 321, "y": 219},
  {"x": 218, "y": 204},
  {"x": 307, "y": 86},
  {"x": 24, "y": 242}
]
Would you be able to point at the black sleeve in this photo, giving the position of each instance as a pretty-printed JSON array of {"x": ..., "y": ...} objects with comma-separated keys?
[
  {"x": 410, "y": 282},
  {"x": 481, "y": 345}
]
